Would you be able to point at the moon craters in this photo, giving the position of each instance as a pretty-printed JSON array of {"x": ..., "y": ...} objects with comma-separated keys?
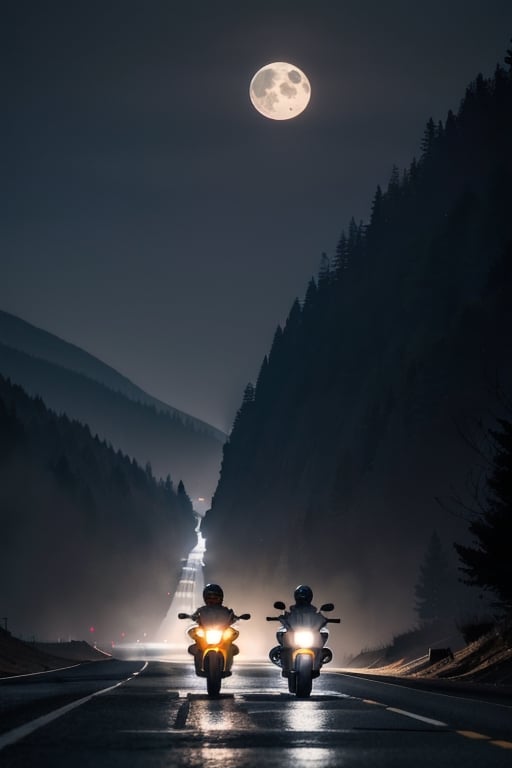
[{"x": 280, "y": 90}]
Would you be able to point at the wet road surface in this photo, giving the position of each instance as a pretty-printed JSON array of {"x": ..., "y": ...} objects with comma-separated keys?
[{"x": 158, "y": 714}]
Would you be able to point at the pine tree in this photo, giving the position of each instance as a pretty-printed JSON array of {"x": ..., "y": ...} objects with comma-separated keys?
[
  {"x": 508, "y": 57},
  {"x": 488, "y": 564},
  {"x": 433, "y": 590},
  {"x": 324, "y": 272},
  {"x": 394, "y": 181},
  {"x": 376, "y": 214},
  {"x": 169, "y": 488},
  {"x": 340, "y": 257},
  {"x": 354, "y": 242},
  {"x": 184, "y": 501},
  {"x": 243, "y": 413},
  {"x": 429, "y": 137},
  {"x": 293, "y": 320},
  {"x": 310, "y": 297}
]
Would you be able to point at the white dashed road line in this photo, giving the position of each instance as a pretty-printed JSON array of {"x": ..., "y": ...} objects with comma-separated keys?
[{"x": 11, "y": 737}]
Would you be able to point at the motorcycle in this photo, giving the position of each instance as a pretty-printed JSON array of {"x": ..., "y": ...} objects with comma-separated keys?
[
  {"x": 213, "y": 648},
  {"x": 301, "y": 651}
]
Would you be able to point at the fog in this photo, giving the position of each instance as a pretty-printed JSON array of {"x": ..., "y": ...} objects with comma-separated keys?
[
  {"x": 82, "y": 560},
  {"x": 61, "y": 576}
]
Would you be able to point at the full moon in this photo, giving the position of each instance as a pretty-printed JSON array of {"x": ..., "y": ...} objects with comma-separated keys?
[{"x": 280, "y": 91}]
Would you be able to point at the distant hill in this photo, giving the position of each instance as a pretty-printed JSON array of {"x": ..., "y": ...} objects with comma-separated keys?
[
  {"x": 74, "y": 382},
  {"x": 23, "y": 336},
  {"x": 365, "y": 408}
]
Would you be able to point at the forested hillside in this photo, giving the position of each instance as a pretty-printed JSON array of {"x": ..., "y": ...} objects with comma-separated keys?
[
  {"x": 364, "y": 408},
  {"x": 145, "y": 429},
  {"x": 89, "y": 538}
]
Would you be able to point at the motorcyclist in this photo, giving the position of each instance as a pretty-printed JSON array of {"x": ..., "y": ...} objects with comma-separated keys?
[
  {"x": 213, "y": 610},
  {"x": 302, "y": 611},
  {"x": 211, "y": 613}
]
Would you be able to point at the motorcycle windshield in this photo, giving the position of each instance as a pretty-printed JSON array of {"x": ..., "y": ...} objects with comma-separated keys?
[
  {"x": 305, "y": 620},
  {"x": 215, "y": 616}
]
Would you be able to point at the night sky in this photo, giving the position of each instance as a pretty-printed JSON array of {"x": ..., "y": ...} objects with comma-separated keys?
[{"x": 151, "y": 216}]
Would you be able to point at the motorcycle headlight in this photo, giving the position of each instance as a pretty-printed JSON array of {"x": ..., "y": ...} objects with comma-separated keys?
[
  {"x": 228, "y": 634},
  {"x": 304, "y": 638},
  {"x": 213, "y": 636}
]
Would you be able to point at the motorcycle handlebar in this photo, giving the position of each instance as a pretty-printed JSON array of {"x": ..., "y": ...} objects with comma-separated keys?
[
  {"x": 243, "y": 616},
  {"x": 278, "y": 618}
]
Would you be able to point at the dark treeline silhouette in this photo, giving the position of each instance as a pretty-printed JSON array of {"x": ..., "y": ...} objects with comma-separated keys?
[
  {"x": 353, "y": 425},
  {"x": 89, "y": 537},
  {"x": 486, "y": 563},
  {"x": 168, "y": 440}
]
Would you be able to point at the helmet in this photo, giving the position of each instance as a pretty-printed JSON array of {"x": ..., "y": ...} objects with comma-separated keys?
[
  {"x": 303, "y": 595},
  {"x": 213, "y": 594}
]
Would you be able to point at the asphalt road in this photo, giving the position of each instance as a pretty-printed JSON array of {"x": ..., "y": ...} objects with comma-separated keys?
[{"x": 133, "y": 713}]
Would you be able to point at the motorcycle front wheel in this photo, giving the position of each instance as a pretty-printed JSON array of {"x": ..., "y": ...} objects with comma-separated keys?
[
  {"x": 303, "y": 675},
  {"x": 213, "y": 666}
]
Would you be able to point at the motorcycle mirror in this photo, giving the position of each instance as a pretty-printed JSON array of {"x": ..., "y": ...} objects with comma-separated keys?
[
  {"x": 327, "y": 607},
  {"x": 183, "y": 616},
  {"x": 245, "y": 616},
  {"x": 279, "y": 605}
]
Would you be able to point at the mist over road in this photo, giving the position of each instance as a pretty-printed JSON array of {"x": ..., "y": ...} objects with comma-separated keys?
[{"x": 158, "y": 714}]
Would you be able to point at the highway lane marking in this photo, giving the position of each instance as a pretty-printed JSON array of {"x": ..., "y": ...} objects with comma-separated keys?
[
  {"x": 11, "y": 737},
  {"x": 36, "y": 674},
  {"x": 273, "y": 704},
  {"x": 467, "y": 734},
  {"x": 496, "y": 742},
  {"x": 427, "y": 720},
  {"x": 423, "y": 719},
  {"x": 501, "y": 743},
  {"x": 429, "y": 692}
]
